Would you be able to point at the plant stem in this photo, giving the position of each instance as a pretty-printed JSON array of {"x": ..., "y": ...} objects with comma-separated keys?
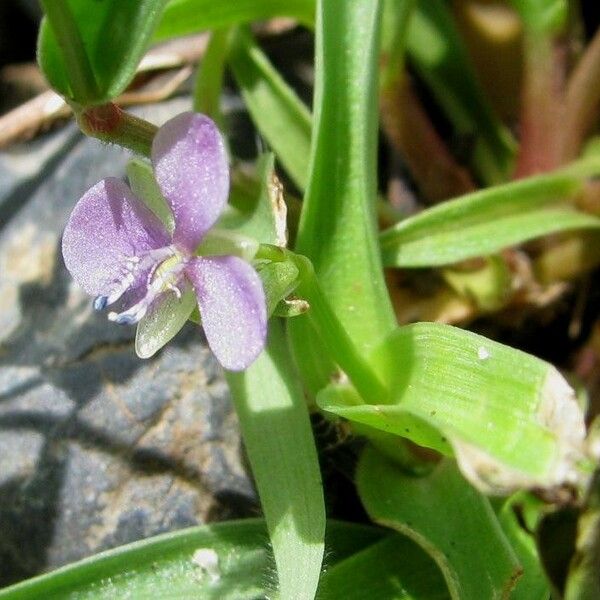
[
  {"x": 542, "y": 109},
  {"x": 209, "y": 79},
  {"x": 583, "y": 98},
  {"x": 411, "y": 132},
  {"x": 111, "y": 124},
  {"x": 329, "y": 328},
  {"x": 61, "y": 21}
]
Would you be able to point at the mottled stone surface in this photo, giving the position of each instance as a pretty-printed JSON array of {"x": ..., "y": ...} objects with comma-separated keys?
[{"x": 97, "y": 448}]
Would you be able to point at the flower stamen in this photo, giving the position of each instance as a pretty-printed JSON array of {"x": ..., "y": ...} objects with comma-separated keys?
[
  {"x": 164, "y": 276},
  {"x": 132, "y": 267}
]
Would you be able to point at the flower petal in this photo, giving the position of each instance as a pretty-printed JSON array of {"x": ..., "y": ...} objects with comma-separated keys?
[
  {"x": 107, "y": 225},
  {"x": 190, "y": 165},
  {"x": 232, "y": 308}
]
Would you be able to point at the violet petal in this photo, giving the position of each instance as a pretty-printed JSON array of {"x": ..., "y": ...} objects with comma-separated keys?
[
  {"x": 232, "y": 307},
  {"x": 107, "y": 225},
  {"x": 190, "y": 165}
]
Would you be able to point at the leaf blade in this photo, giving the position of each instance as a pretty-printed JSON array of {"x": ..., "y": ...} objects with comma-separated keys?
[
  {"x": 486, "y": 221},
  {"x": 452, "y": 392},
  {"x": 470, "y": 548},
  {"x": 281, "y": 117},
  {"x": 182, "y": 17},
  {"x": 278, "y": 437},
  {"x": 128, "y": 25},
  {"x": 337, "y": 228}
]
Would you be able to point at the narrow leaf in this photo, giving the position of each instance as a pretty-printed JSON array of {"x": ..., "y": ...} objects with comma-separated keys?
[
  {"x": 256, "y": 207},
  {"x": 486, "y": 221},
  {"x": 129, "y": 27},
  {"x": 542, "y": 16},
  {"x": 448, "y": 518},
  {"x": 436, "y": 51},
  {"x": 209, "y": 77},
  {"x": 337, "y": 229},
  {"x": 182, "y": 17},
  {"x": 223, "y": 561},
  {"x": 583, "y": 582},
  {"x": 278, "y": 438},
  {"x": 510, "y": 419},
  {"x": 278, "y": 113},
  {"x": 395, "y": 568},
  {"x": 518, "y": 517}
]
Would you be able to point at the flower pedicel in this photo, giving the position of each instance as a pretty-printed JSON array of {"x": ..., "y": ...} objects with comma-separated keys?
[{"x": 120, "y": 252}]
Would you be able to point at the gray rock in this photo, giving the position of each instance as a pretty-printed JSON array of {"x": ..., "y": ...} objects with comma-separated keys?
[{"x": 97, "y": 448}]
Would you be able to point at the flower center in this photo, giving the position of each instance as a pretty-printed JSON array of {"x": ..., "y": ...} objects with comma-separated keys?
[{"x": 162, "y": 269}]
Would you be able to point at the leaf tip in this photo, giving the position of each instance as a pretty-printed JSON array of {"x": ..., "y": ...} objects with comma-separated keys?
[{"x": 561, "y": 416}]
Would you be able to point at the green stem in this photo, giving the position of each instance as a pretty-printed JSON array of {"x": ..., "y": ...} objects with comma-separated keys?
[
  {"x": 396, "y": 17},
  {"x": 328, "y": 326},
  {"x": 111, "y": 124},
  {"x": 209, "y": 79},
  {"x": 83, "y": 83}
]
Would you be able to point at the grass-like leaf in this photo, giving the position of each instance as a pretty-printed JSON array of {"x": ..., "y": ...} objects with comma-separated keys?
[
  {"x": 542, "y": 16},
  {"x": 279, "y": 114},
  {"x": 435, "y": 49},
  {"x": 583, "y": 582},
  {"x": 518, "y": 517},
  {"x": 89, "y": 51},
  {"x": 278, "y": 438},
  {"x": 225, "y": 561},
  {"x": 256, "y": 208},
  {"x": 486, "y": 221},
  {"x": 182, "y": 17},
  {"x": 394, "y": 568},
  {"x": 337, "y": 230},
  {"x": 510, "y": 419},
  {"x": 448, "y": 518},
  {"x": 210, "y": 74}
]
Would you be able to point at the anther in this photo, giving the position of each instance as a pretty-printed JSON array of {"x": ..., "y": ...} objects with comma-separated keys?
[{"x": 100, "y": 302}]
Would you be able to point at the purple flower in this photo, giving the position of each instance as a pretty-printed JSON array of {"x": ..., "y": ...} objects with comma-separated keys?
[{"x": 120, "y": 252}]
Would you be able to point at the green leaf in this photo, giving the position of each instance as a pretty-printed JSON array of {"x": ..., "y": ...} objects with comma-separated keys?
[
  {"x": 278, "y": 113},
  {"x": 556, "y": 536},
  {"x": 486, "y": 221},
  {"x": 396, "y": 16},
  {"x": 178, "y": 565},
  {"x": 337, "y": 229},
  {"x": 510, "y": 419},
  {"x": 583, "y": 582},
  {"x": 182, "y": 17},
  {"x": 278, "y": 437},
  {"x": 448, "y": 518},
  {"x": 518, "y": 512},
  {"x": 256, "y": 206},
  {"x": 109, "y": 38},
  {"x": 393, "y": 569},
  {"x": 436, "y": 51},
  {"x": 209, "y": 78},
  {"x": 543, "y": 16}
]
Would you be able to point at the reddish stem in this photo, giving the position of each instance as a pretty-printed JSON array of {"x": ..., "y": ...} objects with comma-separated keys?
[
  {"x": 543, "y": 106},
  {"x": 583, "y": 100},
  {"x": 412, "y": 134}
]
